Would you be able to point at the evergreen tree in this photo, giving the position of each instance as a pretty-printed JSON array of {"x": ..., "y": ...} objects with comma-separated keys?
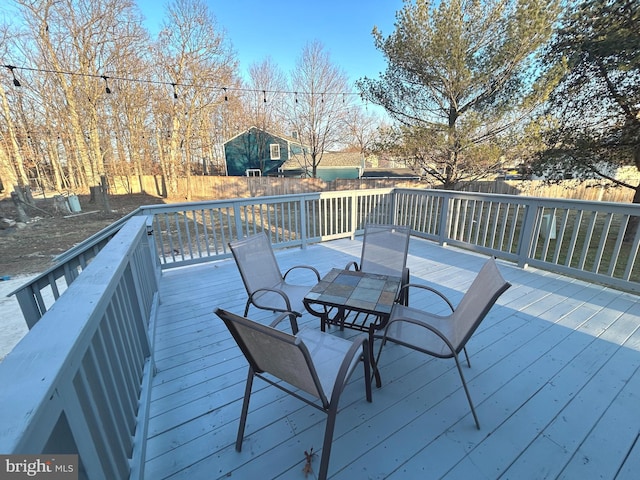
[
  {"x": 596, "y": 106},
  {"x": 460, "y": 74}
]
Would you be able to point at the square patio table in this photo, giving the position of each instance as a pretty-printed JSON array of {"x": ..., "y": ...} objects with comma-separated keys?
[{"x": 356, "y": 300}]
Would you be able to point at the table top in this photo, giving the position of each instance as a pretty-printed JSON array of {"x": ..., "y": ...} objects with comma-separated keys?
[{"x": 355, "y": 290}]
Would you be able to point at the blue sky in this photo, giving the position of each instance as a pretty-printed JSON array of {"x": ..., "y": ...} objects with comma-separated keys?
[{"x": 279, "y": 29}]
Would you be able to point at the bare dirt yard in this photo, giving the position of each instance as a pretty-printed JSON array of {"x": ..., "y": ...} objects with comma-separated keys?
[{"x": 32, "y": 248}]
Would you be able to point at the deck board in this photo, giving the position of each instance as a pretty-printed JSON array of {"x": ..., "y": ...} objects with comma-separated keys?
[{"x": 555, "y": 379}]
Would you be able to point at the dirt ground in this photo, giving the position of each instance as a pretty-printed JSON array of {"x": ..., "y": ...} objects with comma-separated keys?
[{"x": 32, "y": 248}]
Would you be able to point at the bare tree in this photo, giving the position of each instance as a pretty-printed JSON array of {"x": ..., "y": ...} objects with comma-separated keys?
[
  {"x": 319, "y": 104},
  {"x": 194, "y": 56},
  {"x": 362, "y": 128},
  {"x": 76, "y": 43},
  {"x": 12, "y": 171},
  {"x": 265, "y": 96}
]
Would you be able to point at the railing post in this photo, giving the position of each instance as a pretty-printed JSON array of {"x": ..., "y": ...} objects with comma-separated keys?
[
  {"x": 152, "y": 247},
  {"x": 526, "y": 241},
  {"x": 443, "y": 233},
  {"x": 394, "y": 214},
  {"x": 237, "y": 214},
  {"x": 29, "y": 306},
  {"x": 354, "y": 214},
  {"x": 303, "y": 223}
]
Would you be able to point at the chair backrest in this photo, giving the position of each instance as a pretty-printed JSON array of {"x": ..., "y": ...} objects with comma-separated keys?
[
  {"x": 384, "y": 249},
  {"x": 256, "y": 262},
  {"x": 476, "y": 303},
  {"x": 275, "y": 352}
]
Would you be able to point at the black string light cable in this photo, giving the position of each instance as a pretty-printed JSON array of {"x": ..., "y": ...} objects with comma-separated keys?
[{"x": 174, "y": 85}]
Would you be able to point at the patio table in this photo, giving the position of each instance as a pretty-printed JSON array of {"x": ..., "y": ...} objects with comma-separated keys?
[{"x": 356, "y": 300}]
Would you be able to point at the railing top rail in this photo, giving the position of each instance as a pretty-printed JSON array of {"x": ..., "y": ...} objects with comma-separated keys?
[
  {"x": 56, "y": 342},
  {"x": 150, "y": 209},
  {"x": 542, "y": 201}
]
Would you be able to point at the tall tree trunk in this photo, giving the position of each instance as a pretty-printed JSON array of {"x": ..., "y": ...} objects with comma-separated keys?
[
  {"x": 15, "y": 170},
  {"x": 57, "y": 172},
  {"x": 8, "y": 174}
]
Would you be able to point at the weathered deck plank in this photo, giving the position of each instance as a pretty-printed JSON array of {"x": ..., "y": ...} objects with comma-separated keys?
[{"x": 555, "y": 379}]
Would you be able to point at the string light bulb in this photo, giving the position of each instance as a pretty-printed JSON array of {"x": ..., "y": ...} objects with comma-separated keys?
[
  {"x": 16, "y": 82},
  {"x": 106, "y": 84}
]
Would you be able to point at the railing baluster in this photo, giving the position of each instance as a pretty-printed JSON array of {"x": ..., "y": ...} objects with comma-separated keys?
[{"x": 504, "y": 225}]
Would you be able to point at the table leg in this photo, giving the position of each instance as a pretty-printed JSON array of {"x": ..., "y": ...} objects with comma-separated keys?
[{"x": 372, "y": 357}]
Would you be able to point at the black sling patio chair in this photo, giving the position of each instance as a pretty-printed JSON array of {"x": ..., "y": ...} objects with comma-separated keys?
[
  {"x": 312, "y": 366},
  {"x": 266, "y": 286},
  {"x": 446, "y": 336}
]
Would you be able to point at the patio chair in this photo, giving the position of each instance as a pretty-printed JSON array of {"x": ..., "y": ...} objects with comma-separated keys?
[
  {"x": 384, "y": 251},
  {"x": 446, "y": 336},
  {"x": 266, "y": 287},
  {"x": 312, "y": 361}
]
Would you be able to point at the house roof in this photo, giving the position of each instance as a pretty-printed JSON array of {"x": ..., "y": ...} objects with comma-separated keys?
[
  {"x": 253, "y": 127},
  {"x": 329, "y": 159},
  {"x": 390, "y": 172}
]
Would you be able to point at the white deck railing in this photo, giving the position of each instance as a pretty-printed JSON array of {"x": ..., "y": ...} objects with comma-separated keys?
[
  {"x": 587, "y": 240},
  {"x": 78, "y": 382}
]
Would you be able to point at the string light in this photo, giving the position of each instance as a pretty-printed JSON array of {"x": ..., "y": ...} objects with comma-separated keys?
[
  {"x": 106, "y": 84},
  {"x": 174, "y": 85},
  {"x": 13, "y": 74}
]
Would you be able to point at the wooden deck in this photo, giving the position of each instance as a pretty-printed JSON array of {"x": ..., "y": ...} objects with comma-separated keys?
[{"x": 554, "y": 376}]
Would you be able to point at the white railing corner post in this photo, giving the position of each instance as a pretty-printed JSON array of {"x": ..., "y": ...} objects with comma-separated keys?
[
  {"x": 354, "y": 214},
  {"x": 525, "y": 245},
  {"x": 443, "y": 227},
  {"x": 304, "y": 237},
  {"x": 237, "y": 214}
]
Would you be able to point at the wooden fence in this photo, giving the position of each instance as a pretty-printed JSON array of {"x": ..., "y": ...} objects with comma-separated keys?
[{"x": 217, "y": 188}]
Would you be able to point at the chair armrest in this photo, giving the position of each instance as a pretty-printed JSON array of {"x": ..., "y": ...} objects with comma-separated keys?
[
  {"x": 291, "y": 316},
  {"x": 425, "y": 325},
  {"x": 352, "y": 264},
  {"x": 425, "y": 287},
  {"x": 308, "y": 267},
  {"x": 285, "y": 298}
]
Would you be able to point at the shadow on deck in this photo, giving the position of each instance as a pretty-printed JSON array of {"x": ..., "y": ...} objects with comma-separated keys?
[{"x": 554, "y": 376}]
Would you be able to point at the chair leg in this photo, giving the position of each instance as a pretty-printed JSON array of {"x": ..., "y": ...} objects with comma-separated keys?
[
  {"x": 466, "y": 390},
  {"x": 245, "y": 410},
  {"x": 467, "y": 357},
  {"x": 372, "y": 358},
  {"x": 367, "y": 356},
  {"x": 294, "y": 323},
  {"x": 328, "y": 441}
]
